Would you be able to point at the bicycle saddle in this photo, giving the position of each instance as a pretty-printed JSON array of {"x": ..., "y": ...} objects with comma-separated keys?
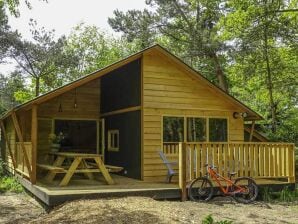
[{"x": 231, "y": 174}]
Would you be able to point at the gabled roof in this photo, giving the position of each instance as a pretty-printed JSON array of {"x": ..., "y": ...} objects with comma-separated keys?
[
  {"x": 258, "y": 135},
  {"x": 81, "y": 81}
]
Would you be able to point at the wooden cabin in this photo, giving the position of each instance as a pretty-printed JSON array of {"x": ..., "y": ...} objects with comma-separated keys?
[{"x": 132, "y": 109}]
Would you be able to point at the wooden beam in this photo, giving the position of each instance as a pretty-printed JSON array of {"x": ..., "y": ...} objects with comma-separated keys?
[
  {"x": 121, "y": 111},
  {"x": 21, "y": 140},
  {"x": 182, "y": 170},
  {"x": 34, "y": 125},
  {"x": 14, "y": 162},
  {"x": 252, "y": 130}
]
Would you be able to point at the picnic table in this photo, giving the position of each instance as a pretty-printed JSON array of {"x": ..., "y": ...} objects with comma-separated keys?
[{"x": 79, "y": 164}]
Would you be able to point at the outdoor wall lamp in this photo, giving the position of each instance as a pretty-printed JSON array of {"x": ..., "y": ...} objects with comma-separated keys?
[{"x": 239, "y": 114}]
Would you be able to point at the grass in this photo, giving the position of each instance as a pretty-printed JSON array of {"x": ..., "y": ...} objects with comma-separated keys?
[
  {"x": 7, "y": 182},
  {"x": 285, "y": 195}
]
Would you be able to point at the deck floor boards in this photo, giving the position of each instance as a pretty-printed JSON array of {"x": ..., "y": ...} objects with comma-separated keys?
[
  {"x": 82, "y": 186},
  {"x": 52, "y": 194}
]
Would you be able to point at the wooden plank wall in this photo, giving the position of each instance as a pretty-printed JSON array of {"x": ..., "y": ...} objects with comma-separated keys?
[
  {"x": 88, "y": 107},
  {"x": 43, "y": 143},
  {"x": 169, "y": 90},
  {"x": 11, "y": 134},
  {"x": 21, "y": 165},
  {"x": 88, "y": 103},
  {"x": 24, "y": 118}
]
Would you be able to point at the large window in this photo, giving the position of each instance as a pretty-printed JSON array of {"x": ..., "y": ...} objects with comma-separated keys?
[
  {"x": 173, "y": 129},
  {"x": 195, "y": 129},
  {"x": 218, "y": 130},
  {"x": 76, "y": 135}
]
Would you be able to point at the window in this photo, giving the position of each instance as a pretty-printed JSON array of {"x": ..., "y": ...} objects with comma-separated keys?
[
  {"x": 218, "y": 130},
  {"x": 196, "y": 129},
  {"x": 173, "y": 129},
  {"x": 76, "y": 135},
  {"x": 113, "y": 140}
]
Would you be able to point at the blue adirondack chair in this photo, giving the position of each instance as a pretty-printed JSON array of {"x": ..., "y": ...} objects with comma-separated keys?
[{"x": 168, "y": 164}]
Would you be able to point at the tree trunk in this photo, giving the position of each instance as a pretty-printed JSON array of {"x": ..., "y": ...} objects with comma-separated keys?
[
  {"x": 270, "y": 89},
  {"x": 269, "y": 84},
  {"x": 219, "y": 73},
  {"x": 37, "y": 86}
]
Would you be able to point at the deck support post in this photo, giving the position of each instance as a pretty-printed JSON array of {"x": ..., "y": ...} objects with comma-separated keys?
[
  {"x": 34, "y": 126},
  {"x": 182, "y": 170},
  {"x": 252, "y": 129}
]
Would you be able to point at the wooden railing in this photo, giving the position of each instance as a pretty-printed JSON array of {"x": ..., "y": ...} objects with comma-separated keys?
[
  {"x": 20, "y": 159},
  {"x": 254, "y": 159}
]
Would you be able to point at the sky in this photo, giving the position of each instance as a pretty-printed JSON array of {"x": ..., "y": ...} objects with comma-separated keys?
[{"x": 63, "y": 15}]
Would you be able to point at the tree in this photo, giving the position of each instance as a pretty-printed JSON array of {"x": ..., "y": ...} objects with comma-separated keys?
[
  {"x": 5, "y": 33},
  {"x": 190, "y": 28},
  {"x": 13, "y": 5},
  {"x": 9, "y": 86},
  {"x": 264, "y": 33},
  {"x": 41, "y": 59},
  {"x": 93, "y": 49}
]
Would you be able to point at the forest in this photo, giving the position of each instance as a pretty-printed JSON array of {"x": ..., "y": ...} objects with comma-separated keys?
[{"x": 249, "y": 48}]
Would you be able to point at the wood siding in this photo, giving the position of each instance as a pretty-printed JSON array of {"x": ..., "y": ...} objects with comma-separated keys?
[
  {"x": 87, "y": 99},
  {"x": 45, "y": 127},
  {"x": 88, "y": 107},
  {"x": 11, "y": 135},
  {"x": 170, "y": 90}
]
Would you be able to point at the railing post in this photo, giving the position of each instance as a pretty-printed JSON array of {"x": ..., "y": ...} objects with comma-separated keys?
[
  {"x": 182, "y": 170},
  {"x": 291, "y": 178}
]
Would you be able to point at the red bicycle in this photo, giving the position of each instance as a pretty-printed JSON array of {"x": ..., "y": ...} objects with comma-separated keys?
[{"x": 243, "y": 189}]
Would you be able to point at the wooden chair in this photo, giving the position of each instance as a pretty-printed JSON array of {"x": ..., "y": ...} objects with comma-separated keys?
[{"x": 168, "y": 164}]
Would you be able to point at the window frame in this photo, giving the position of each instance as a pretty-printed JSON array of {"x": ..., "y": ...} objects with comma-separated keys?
[
  {"x": 111, "y": 140},
  {"x": 195, "y": 116},
  {"x": 173, "y": 116},
  {"x": 227, "y": 129}
]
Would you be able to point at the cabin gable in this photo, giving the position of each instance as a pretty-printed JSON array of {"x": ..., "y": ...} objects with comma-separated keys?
[{"x": 169, "y": 90}]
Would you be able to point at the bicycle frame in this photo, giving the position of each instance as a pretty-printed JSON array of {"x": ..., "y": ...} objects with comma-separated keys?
[{"x": 225, "y": 190}]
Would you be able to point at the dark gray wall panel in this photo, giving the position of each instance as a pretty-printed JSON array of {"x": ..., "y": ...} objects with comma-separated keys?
[
  {"x": 129, "y": 154},
  {"x": 121, "y": 88}
]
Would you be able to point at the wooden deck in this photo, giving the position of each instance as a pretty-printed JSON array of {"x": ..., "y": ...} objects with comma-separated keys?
[{"x": 52, "y": 194}]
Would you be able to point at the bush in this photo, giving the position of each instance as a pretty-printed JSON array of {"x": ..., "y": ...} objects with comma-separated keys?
[
  {"x": 209, "y": 220},
  {"x": 8, "y": 183}
]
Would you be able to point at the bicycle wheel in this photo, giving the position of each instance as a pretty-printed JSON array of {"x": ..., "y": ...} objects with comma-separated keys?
[
  {"x": 250, "y": 192},
  {"x": 200, "y": 189}
]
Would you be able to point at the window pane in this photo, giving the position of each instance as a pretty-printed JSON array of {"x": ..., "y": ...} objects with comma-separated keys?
[
  {"x": 196, "y": 129},
  {"x": 173, "y": 129},
  {"x": 218, "y": 131},
  {"x": 115, "y": 141}
]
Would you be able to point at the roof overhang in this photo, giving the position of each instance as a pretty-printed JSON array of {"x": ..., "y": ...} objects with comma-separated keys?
[{"x": 252, "y": 115}]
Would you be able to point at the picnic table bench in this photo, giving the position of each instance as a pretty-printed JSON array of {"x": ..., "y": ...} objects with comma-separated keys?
[{"x": 80, "y": 164}]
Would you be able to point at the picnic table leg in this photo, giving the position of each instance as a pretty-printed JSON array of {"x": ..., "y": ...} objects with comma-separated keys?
[
  {"x": 104, "y": 171},
  {"x": 88, "y": 175},
  {"x": 70, "y": 171},
  {"x": 51, "y": 174}
]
